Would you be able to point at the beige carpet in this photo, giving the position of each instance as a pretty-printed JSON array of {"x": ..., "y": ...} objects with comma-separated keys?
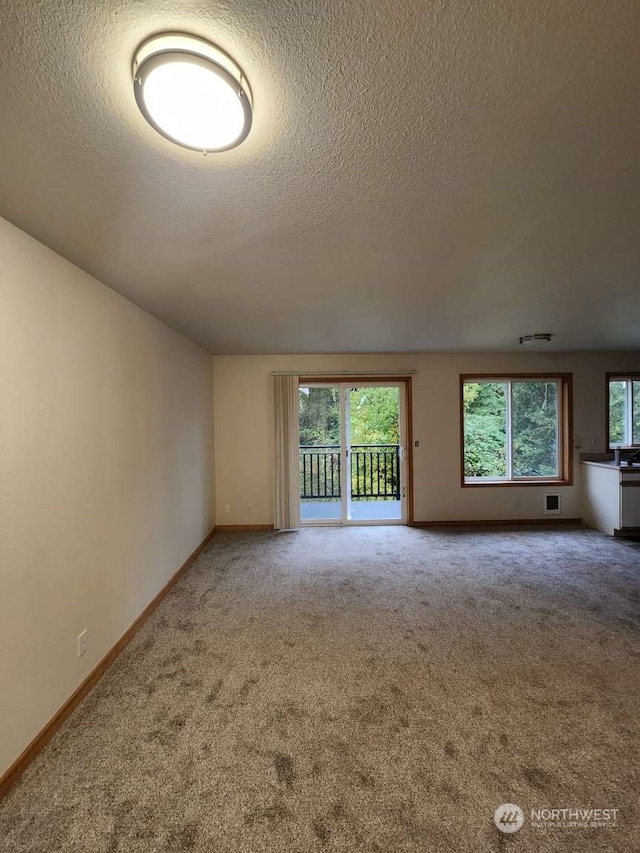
[{"x": 363, "y": 689}]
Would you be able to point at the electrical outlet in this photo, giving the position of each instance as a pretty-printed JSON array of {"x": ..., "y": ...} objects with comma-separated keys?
[
  {"x": 227, "y": 508},
  {"x": 82, "y": 643},
  {"x": 250, "y": 508},
  {"x": 517, "y": 503},
  {"x": 577, "y": 442}
]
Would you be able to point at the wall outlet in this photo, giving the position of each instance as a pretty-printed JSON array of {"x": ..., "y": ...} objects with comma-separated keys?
[
  {"x": 227, "y": 508},
  {"x": 82, "y": 643},
  {"x": 577, "y": 442},
  {"x": 517, "y": 503},
  {"x": 250, "y": 508}
]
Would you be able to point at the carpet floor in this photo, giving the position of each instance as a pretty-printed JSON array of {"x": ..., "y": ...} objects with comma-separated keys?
[{"x": 359, "y": 689}]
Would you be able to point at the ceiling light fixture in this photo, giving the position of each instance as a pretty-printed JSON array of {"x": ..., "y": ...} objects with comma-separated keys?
[
  {"x": 191, "y": 92},
  {"x": 528, "y": 340}
]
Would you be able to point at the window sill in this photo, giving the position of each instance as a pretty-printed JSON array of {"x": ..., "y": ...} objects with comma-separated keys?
[{"x": 484, "y": 484}]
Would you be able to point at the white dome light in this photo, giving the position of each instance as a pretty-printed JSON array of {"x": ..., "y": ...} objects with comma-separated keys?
[{"x": 192, "y": 93}]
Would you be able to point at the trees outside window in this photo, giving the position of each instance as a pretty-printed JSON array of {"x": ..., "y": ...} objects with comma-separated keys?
[
  {"x": 374, "y": 441},
  {"x": 623, "y": 397},
  {"x": 374, "y": 413},
  {"x": 513, "y": 429}
]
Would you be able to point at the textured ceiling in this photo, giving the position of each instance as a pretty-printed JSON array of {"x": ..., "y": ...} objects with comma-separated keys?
[{"x": 421, "y": 174}]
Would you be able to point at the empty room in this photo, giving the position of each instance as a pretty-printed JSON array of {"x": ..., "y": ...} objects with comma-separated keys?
[{"x": 319, "y": 426}]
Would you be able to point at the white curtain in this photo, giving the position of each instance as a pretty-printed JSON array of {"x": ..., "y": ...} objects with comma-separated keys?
[{"x": 287, "y": 441}]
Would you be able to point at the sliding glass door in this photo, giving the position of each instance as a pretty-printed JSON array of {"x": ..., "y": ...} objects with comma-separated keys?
[{"x": 352, "y": 455}]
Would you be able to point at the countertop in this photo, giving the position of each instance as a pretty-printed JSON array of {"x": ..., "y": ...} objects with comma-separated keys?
[{"x": 609, "y": 463}]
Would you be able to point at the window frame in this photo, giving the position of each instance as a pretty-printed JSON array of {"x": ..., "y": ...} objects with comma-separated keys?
[
  {"x": 564, "y": 429},
  {"x": 621, "y": 376}
]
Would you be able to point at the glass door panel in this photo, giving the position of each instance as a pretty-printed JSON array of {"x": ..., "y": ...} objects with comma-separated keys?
[
  {"x": 321, "y": 457},
  {"x": 376, "y": 453}
]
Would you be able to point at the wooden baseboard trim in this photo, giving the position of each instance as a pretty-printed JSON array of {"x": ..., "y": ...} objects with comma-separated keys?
[
  {"x": 15, "y": 771},
  {"x": 238, "y": 527},
  {"x": 504, "y": 522}
]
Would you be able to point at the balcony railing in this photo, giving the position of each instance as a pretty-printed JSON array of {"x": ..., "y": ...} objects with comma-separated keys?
[{"x": 375, "y": 472}]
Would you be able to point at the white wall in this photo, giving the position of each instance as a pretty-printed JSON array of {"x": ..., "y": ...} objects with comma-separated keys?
[
  {"x": 105, "y": 473},
  {"x": 243, "y": 438}
]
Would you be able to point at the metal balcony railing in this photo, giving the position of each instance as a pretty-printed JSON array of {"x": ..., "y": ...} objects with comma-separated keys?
[{"x": 375, "y": 472}]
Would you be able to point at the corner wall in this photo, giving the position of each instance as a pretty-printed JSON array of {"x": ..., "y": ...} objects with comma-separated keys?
[
  {"x": 243, "y": 418},
  {"x": 106, "y": 422}
]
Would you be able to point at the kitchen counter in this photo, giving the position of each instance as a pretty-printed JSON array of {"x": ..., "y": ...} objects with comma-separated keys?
[
  {"x": 609, "y": 463},
  {"x": 611, "y": 497}
]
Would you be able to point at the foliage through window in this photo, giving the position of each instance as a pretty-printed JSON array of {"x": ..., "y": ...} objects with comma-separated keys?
[
  {"x": 624, "y": 410},
  {"x": 374, "y": 414},
  {"x": 513, "y": 429},
  {"x": 374, "y": 434}
]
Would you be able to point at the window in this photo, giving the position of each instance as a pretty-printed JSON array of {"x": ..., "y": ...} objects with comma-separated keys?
[
  {"x": 515, "y": 429},
  {"x": 623, "y": 409}
]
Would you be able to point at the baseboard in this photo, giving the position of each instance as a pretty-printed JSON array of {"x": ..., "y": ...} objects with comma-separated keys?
[
  {"x": 15, "y": 771},
  {"x": 627, "y": 532},
  {"x": 235, "y": 527},
  {"x": 503, "y": 522}
]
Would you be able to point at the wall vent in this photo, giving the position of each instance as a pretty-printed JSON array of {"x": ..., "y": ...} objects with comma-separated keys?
[{"x": 551, "y": 504}]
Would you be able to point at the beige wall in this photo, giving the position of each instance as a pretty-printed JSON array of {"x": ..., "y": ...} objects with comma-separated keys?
[
  {"x": 105, "y": 474},
  {"x": 243, "y": 439}
]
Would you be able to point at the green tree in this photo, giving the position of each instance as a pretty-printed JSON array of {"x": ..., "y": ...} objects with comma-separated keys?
[
  {"x": 375, "y": 415},
  {"x": 485, "y": 429},
  {"x": 319, "y": 416},
  {"x": 374, "y": 412},
  {"x": 617, "y": 398},
  {"x": 375, "y": 420},
  {"x": 618, "y": 413},
  {"x": 534, "y": 419}
]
